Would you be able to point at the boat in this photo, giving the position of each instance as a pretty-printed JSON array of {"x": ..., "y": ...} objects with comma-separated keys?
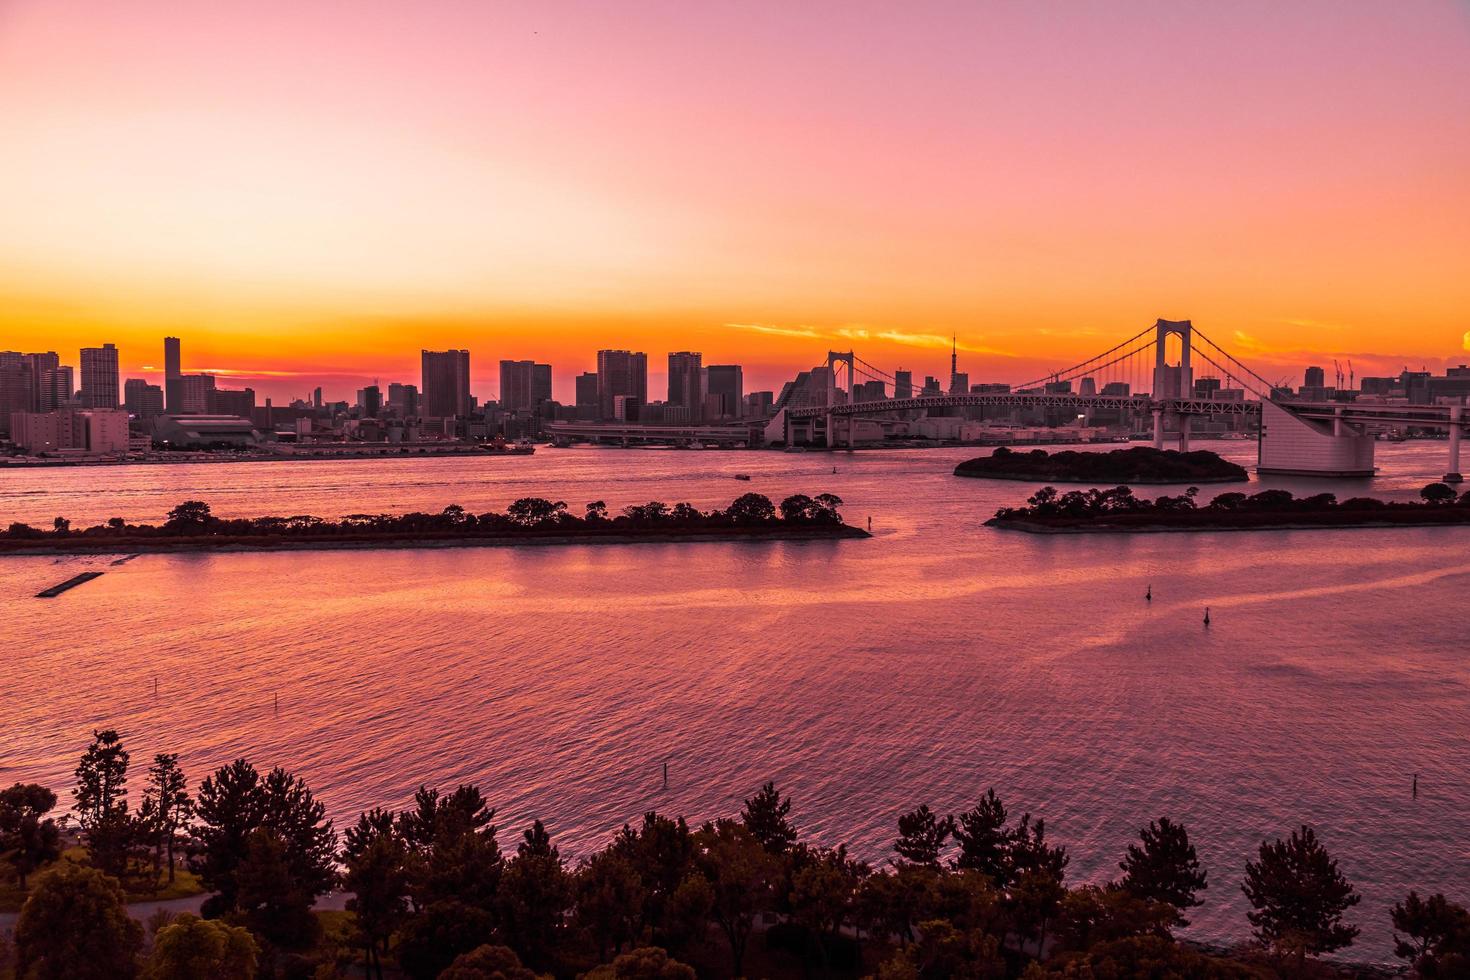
[
  {"x": 499, "y": 447},
  {"x": 743, "y": 476}
]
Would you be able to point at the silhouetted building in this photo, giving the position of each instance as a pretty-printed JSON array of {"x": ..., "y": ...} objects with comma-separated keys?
[
  {"x": 726, "y": 382},
  {"x": 403, "y": 400},
  {"x": 686, "y": 383},
  {"x": 100, "y": 384},
  {"x": 445, "y": 384},
  {"x": 1315, "y": 377},
  {"x": 369, "y": 402},
  {"x": 587, "y": 405},
  {"x": 143, "y": 401},
  {"x": 102, "y": 430},
  {"x": 524, "y": 385},
  {"x": 758, "y": 404},
  {"x": 173, "y": 373},
  {"x": 196, "y": 395},
  {"x": 903, "y": 384},
  {"x": 620, "y": 373}
]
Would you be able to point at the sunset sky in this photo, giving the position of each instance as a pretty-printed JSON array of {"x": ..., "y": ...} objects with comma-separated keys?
[{"x": 310, "y": 191}]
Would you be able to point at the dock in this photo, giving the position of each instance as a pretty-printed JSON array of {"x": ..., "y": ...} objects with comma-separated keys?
[{"x": 70, "y": 583}]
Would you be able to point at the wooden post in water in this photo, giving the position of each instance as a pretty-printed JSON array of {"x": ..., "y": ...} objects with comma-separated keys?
[
  {"x": 666, "y": 775},
  {"x": 1416, "y": 785}
]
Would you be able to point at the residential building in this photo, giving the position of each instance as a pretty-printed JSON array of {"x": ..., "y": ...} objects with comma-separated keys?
[
  {"x": 524, "y": 385},
  {"x": 726, "y": 382},
  {"x": 587, "y": 405},
  {"x": 195, "y": 394},
  {"x": 403, "y": 400},
  {"x": 100, "y": 384},
  {"x": 445, "y": 384},
  {"x": 173, "y": 373},
  {"x": 143, "y": 401},
  {"x": 686, "y": 383},
  {"x": 620, "y": 373}
]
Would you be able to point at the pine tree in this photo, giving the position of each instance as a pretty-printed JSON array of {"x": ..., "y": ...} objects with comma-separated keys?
[
  {"x": 1163, "y": 867},
  {"x": 166, "y": 807},
  {"x": 921, "y": 836},
  {"x": 983, "y": 839},
  {"x": 765, "y": 816},
  {"x": 1436, "y": 935},
  {"x": 101, "y": 796},
  {"x": 1299, "y": 896}
]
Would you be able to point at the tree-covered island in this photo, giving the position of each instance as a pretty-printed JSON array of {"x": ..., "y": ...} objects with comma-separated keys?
[{"x": 1138, "y": 464}]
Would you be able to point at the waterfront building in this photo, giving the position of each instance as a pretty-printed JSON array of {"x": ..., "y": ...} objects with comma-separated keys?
[
  {"x": 758, "y": 404},
  {"x": 686, "y": 383},
  {"x": 369, "y": 402},
  {"x": 726, "y": 384},
  {"x": 620, "y": 373},
  {"x": 100, "y": 385},
  {"x": 92, "y": 431},
  {"x": 143, "y": 401},
  {"x": 445, "y": 383},
  {"x": 524, "y": 385},
  {"x": 403, "y": 400},
  {"x": 205, "y": 431},
  {"x": 173, "y": 373},
  {"x": 195, "y": 394}
]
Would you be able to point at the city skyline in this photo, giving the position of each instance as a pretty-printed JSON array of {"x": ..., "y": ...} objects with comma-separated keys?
[{"x": 453, "y": 182}]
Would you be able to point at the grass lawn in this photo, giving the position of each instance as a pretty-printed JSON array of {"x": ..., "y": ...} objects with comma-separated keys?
[{"x": 185, "y": 885}]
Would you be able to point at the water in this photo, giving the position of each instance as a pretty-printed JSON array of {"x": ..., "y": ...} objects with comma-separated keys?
[{"x": 925, "y": 665}]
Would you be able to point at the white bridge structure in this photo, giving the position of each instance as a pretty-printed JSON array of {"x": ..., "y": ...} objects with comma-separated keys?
[{"x": 1304, "y": 438}]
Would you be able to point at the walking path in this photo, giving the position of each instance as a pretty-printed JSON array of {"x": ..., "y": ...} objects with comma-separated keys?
[{"x": 142, "y": 911}]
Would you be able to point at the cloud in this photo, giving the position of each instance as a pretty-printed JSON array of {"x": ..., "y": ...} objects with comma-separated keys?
[
  {"x": 777, "y": 331},
  {"x": 1465, "y": 341},
  {"x": 861, "y": 332}
]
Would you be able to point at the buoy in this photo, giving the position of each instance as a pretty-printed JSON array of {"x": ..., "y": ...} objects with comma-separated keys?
[
  {"x": 1207, "y": 615},
  {"x": 1149, "y": 594},
  {"x": 1416, "y": 785}
]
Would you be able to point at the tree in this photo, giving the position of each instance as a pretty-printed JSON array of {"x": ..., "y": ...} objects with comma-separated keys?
[
  {"x": 797, "y": 508},
  {"x": 751, "y": 508},
  {"x": 61, "y": 526},
  {"x": 189, "y": 517},
  {"x": 596, "y": 511},
  {"x": 765, "y": 816},
  {"x": 983, "y": 838},
  {"x": 1438, "y": 494},
  {"x": 536, "y": 511},
  {"x": 533, "y": 899},
  {"x": 609, "y": 900},
  {"x": 1299, "y": 896},
  {"x": 166, "y": 807},
  {"x": 374, "y": 861},
  {"x": 273, "y": 901},
  {"x": 434, "y": 937},
  {"x": 487, "y": 963},
  {"x": 1093, "y": 914},
  {"x": 229, "y": 808},
  {"x": 889, "y": 904},
  {"x": 1436, "y": 939},
  {"x": 662, "y": 852},
  {"x": 28, "y": 838},
  {"x": 921, "y": 836},
  {"x": 74, "y": 926},
  {"x": 453, "y": 853},
  {"x": 644, "y": 963},
  {"x": 191, "y": 948},
  {"x": 101, "y": 796},
  {"x": 1163, "y": 867},
  {"x": 742, "y": 877},
  {"x": 822, "y": 892}
]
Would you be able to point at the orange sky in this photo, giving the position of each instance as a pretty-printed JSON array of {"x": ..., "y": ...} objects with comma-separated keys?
[{"x": 310, "y": 193}]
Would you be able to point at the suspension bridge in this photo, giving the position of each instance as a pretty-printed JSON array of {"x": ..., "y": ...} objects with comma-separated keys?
[{"x": 1295, "y": 437}]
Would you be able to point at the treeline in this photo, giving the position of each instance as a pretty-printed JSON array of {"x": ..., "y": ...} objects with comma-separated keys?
[
  {"x": 982, "y": 894},
  {"x": 1048, "y": 502},
  {"x": 193, "y": 519},
  {"x": 1138, "y": 463}
]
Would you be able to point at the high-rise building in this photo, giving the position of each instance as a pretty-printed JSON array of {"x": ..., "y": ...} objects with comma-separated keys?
[
  {"x": 903, "y": 384},
  {"x": 100, "y": 385},
  {"x": 1088, "y": 388},
  {"x": 524, "y": 385},
  {"x": 316, "y": 395},
  {"x": 370, "y": 401},
  {"x": 445, "y": 383},
  {"x": 143, "y": 401},
  {"x": 727, "y": 383},
  {"x": 173, "y": 371},
  {"x": 587, "y": 396},
  {"x": 620, "y": 373},
  {"x": 686, "y": 383},
  {"x": 758, "y": 404},
  {"x": 196, "y": 395},
  {"x": 403, "y": 400},
  {"x": 239, "y": 403},
  {"x": 1315, "y": 377},
  {"x": 959, "y": 382}
]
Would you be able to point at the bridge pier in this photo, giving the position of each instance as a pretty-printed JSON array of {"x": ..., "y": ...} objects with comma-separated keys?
[
  {"x": 1184, "y": 433},
  {"x": 1158, "y": 428},
  {"x": 1452, "y": 474}
]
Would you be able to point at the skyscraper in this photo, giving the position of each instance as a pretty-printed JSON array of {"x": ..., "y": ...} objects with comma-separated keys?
[
  {"x": 173, "y": 370},
  {"x": 524, "y": 385},
  {"x": 727, "y": 383},
  {"x": 686, "y": 383},
  {"x": 620, "y": 373},
  {"x": 445, "y": 383},
  {"x": 540, "y": 385},
  {"x": 1315, "y": 378},
  {"x": 587, "y": 396},
  {"x": 402, "y": 399},
  {"x": 143, "y": 401},
  {"x": 100, "y": 385},
  {"x": 903, "y": 384}
]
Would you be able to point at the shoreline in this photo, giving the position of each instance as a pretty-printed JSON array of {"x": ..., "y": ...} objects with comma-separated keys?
[
  {"x": 1020, "y": 478},
  {"x": 227, "y": 544},
  {"x": 1030, "y": 526}
]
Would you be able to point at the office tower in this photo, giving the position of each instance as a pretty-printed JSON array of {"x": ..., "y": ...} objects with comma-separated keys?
[
  {"x": 369, "y": 401},
  {"x": 143, "y": 401},
  {"x": 1089, "y": 387},
  {"x": 403, "y": 400},
  {"x": 99, "y": 377},
  {"x": 239, "y": 403},
  {"x": 173, "y": 371},
  {"x": 620, "y": 373},
  {"x": 686, "y": 383},
  {"x": 52, "y": 384},
  {"x": 524, "y": 385},
  {"x": 931, "y": 386},
  {"x": 727, "y": 383},
  {"x": 587, "y": 396},
  {"x": 903, "y": 384},
  {"x": 758, "y": 404},
  {"x": 445, "y": 383},
  {"x": 959, "y": 383},
  {"x": 316, "y": 396},
  {"x": 1315, "y": 378}
]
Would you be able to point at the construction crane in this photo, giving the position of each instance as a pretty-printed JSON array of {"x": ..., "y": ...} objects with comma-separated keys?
[
  {"x": 1338, "y": 367},
  {"x": 1352, "y": 380}
]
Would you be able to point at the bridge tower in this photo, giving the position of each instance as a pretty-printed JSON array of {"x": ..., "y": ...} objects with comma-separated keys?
[
  {"x": 835, "y": 358},
  {"x": 1172, "y": 382}
]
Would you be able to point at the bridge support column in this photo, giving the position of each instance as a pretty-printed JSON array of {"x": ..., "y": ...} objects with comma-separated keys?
[
  {"x": 1184, "y": 433},
  {"x": 831, "y": 432},
  {"x": 1452, "y": 475},
  {"x": 1158, "y": 428}
]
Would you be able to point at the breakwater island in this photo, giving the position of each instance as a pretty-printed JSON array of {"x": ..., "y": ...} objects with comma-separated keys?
[
  {"x": 528, "y": 521},
  {"x": 1138, "y": 464},
  {"x": 1118, "y": 510}
]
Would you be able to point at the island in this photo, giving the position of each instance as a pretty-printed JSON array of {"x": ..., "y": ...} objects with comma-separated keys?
[
  {"x": 1117, "y": 509},
  {"x": 1139, "y": 464},
  {"x": 528, "y": 521}
]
